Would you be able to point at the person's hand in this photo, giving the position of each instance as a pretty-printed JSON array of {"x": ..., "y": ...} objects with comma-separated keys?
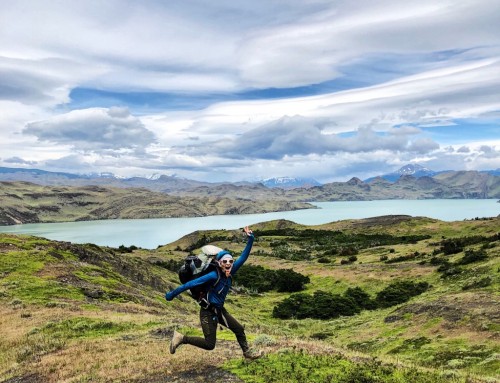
[
  {"x": 248, "y": 231},
  {"x": 169, "y": 296}
]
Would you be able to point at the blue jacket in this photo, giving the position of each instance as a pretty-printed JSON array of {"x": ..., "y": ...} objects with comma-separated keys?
[{"x": 216, "y": 294}]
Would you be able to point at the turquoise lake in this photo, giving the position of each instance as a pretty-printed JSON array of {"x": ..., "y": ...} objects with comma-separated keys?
[{"x": 150, "y": 233}]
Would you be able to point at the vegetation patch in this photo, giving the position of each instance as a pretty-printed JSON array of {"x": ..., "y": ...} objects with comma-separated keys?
[
  {"x": 82, "y": 327},
  {"x": 22, "y": 279},
  {"x": 100, "y": 276},
  {"x": 260, "y": 279},
  {"x": 36, "y": 345},
  {"x": 400, "y": 292},
  {"x": 118, "y": 298},
  {"x": 324, "y": 305},
  {"x": 459, "y": 356},
  {"x": 295, "y": 244},
  {"x": 411, "y": 344},
  {"x": 300, "y": 367},
  {"x": 457, "y": 245},
  {"x": 32, "y": 289},
  {"x": 478, "y": 283}
]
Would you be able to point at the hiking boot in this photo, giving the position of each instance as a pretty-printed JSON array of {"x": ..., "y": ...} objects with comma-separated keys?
[
  {"x": 176, "y": 341},
  {"x": 252, "y": 354}
]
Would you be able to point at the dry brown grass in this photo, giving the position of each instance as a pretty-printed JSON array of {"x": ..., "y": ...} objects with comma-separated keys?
[{"x": 141, "y": 354}]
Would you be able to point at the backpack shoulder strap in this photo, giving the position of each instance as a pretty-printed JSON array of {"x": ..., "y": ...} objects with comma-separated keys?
[{"x": 217, "y": 270}]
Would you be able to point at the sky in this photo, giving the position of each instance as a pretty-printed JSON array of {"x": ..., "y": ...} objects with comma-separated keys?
[{"x": 232, "y": 90}]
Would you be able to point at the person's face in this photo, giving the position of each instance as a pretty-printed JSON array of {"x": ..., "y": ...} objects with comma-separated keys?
[{"x": 226, "y": 265}]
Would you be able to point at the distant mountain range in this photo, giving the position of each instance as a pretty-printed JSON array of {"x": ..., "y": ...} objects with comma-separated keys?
[
  {"x": 418, "y": 171},
  {"x": 159, "y": 183},
  {"x": 289, "y": 182},
  {"x": 414, "y": 170},
  {"x": 411, "y": 181}
]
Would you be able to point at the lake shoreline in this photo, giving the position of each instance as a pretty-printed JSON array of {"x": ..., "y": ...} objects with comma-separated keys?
[{"x": 153, "y": 232}]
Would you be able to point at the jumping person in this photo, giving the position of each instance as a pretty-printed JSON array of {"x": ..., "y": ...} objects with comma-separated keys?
[{"x": 212, "y": 311}]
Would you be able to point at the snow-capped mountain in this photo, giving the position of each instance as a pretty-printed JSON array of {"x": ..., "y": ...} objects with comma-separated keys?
[
  {"x": 102, "y": 175},
  {"x": 154, "y": 176},
  {"x": 289, "y": 182},
  {"x": 414, "y": 170}
]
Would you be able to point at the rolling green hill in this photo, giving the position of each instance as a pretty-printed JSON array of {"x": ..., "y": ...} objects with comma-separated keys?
[{"x": 387, "y": 299}]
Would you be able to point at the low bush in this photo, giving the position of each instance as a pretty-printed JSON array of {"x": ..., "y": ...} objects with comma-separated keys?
[
  {"x": 125, "y": 249},
  {"x": 436, "y": 261},
  {"x": 478, "y": 283},
  {"x": 402, "y": 258},
  {"x": 260, "y": 279},
  {"x": 287, "y": 280},
  {"x": 324, "y": 260},
  {"x": 400, "y": 292},
  {"x": 324, "y": 305},
  {"x": 472, "y": 256},
  {"x": 361, "y": 298},
  {"x": 457, "y": 245}
]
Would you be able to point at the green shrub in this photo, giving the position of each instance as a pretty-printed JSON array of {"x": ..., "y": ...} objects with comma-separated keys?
[
  {"x": 261, "y": 279},
  {"x": 332, "y": 251},
  {"x": 348, "y": 251},
  {"x": 472, "y": 256},
  {"x": 125, "y": 249},
  {"x": 449, "y": 270},
  {"x": 256, "y": 278},
  {"x": 478, "y": 283},
  {"x": 328, "y": 306},
  {"x": 324, "y": 305},
  {"x": 295, "y": 306},
  {"x": 436, "y": 261},
  {"x": 402, "y": 258},
  {"x": 287, "y": 280},
  {"x": 321, "y": 305},
  {"x": 400, "y": 292},
  {"x": 361, "y": 298},
  {"x": 457, "y": 245},
  {"x": 324, "y": 260}
]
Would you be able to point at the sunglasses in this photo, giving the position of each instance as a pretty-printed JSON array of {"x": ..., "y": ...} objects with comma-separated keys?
[{"x": 230, "y": 261}]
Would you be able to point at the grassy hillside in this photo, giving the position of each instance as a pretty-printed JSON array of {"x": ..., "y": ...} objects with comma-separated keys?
[
  {"x": 83, "y": 313},
  {"x": 24, "y": 202}
]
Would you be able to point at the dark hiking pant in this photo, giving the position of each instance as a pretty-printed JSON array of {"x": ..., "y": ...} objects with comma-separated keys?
[{"x": 209, "y": 319}]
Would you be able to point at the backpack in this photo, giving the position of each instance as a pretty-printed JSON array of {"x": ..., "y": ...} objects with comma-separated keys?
[{"x": 196, "y": 266}]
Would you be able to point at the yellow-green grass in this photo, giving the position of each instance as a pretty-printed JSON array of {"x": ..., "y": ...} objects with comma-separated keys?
[{"x": 52, "y": 329}]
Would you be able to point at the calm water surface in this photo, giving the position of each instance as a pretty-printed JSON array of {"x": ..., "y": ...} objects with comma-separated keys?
[{"x": 150, "y": 233}]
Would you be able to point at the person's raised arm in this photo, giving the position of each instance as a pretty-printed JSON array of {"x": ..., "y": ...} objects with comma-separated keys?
[{"x": 246, "y": 252}]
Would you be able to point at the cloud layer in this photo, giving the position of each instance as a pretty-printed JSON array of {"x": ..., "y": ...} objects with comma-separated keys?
[
  {"x": 233, "y": 90},
  {"x": 93, "y": 130}
]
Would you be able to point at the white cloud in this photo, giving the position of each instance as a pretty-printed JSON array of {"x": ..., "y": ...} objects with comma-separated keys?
[
  {"x": 93, "y": 130},
  {"x": 291, "y": 136},
  {"x": 426, "y": 65},
  {"x": 19, "y": 161},
  {"x": 314, "y": 48}
]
